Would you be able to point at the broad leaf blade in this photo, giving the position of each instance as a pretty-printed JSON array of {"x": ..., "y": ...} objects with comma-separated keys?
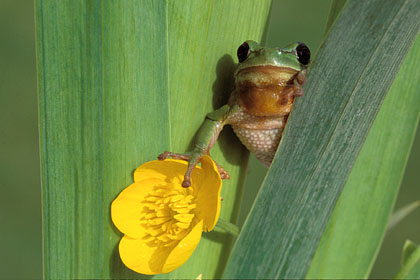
[
  {"x": 353, "y": 236},
  {"x": 119, "y": 83},
  {"x": 347, "y": 83},
  {"x": 201, "y": 78},
  {"x": 95, "y": 126}
]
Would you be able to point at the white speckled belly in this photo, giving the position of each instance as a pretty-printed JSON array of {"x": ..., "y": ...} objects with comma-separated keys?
[{"x": 262, "y": 142}]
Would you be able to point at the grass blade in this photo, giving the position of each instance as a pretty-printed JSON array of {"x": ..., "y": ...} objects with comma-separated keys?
[
  {"x": 335, "y": 10},
  {"x": 408, "y": 249},
  {"x": 120, "y": 82},
  {"x": 92, "y": 123},
  {"x": 347, "y": 84},
  {"x": 201, "y": 78},
  {"x": 361, "y": 215},
  {"x": 411, "y": 267},
  {"x": 400, "y": 214}
]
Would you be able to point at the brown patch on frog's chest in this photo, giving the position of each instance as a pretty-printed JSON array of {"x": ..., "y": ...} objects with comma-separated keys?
[{"x": 265, "y": 90}]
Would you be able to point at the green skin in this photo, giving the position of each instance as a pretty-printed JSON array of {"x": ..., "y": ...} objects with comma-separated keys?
[{"x": 214, "y": 122}]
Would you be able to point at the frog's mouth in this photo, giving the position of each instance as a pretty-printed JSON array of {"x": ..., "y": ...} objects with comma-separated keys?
[
  {"x": 264, "y": 90},
  {"x": 266, "y": 75}
]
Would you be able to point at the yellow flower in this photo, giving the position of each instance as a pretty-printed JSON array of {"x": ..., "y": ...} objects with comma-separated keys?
[{"x": 162, "y": 222}]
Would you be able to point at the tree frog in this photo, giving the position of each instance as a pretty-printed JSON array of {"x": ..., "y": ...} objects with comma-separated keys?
[{"x": 267, "y": 80}]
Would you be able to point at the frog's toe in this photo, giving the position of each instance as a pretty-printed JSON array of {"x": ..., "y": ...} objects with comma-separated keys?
[
  {"x": 223, "y": 173},
  {"x": 163, "y": 155},
  {"x": 167, "y": 154},
  {"x": 187, "y": 181},
  {"x": 298, "y": 92}
]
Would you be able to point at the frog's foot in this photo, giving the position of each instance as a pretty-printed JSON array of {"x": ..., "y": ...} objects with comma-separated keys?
[
  {"x": 297, "y": 84},
  {"x": 192, "y": 162},
  {"x": 298, "y": 91},
  {"x": 293, "y": 90},
  {"x": 301, "y": 77},
  {"x": 223, "y": 173}
]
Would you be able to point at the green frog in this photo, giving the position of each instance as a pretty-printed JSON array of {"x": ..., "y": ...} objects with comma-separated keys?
[{"x": 267, "y": 80}]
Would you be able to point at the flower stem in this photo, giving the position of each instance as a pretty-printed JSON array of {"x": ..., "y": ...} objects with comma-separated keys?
[{"x": 228, "y": 227}]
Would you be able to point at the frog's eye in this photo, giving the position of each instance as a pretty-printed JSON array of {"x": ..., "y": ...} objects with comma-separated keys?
[
  {"x": 243, "y": 52},
  {"x": 303, "y": 54}
]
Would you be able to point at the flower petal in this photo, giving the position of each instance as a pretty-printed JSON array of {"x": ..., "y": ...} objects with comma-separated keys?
[
  {"x": 208, "y": 195},
  {"x": 140, "y": 207},
  {"x": 137, "y": 255},
  {"x": 127, "y": 208},
  {"x": 184, "y": 249}
]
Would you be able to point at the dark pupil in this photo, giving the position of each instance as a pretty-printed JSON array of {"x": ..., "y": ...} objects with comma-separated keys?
[
  {"x": 243, "y": 52},
  {"x": 303, "y": 54}
]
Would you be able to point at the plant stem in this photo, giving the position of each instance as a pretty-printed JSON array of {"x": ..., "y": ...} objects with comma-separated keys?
[{"x": 228, "y": 227}]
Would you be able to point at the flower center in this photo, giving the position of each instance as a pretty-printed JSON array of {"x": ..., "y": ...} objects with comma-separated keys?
[{"x": 168, "y": 215}]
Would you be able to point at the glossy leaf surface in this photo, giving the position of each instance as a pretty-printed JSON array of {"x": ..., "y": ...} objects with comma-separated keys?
[
  {"x": 346, "y": 86},
  {"x": 119, "y": 83},
  {"x": 356, "y": 228}
]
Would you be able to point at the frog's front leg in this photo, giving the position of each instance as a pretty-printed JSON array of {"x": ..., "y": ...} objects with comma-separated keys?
[{"x": 204, "y": 141}]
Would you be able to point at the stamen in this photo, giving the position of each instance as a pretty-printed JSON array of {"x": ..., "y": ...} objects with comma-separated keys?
[{"x": 168, "y": 214}]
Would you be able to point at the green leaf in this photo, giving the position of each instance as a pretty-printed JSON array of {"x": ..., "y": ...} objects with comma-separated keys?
[
  {"x": 356, "y": 228},
  {"x": 346, "y": 85},
  {"x": 413, "y": 273},
  {"x": 306, "y": 24},
  {"x": 408, "y": 250},
  {"x": 400, "y": 214},
  {"x": 225, "y": 226},
  {"x": 336, "y": 7},
  {"x": 119, "y": 83},
  {"x": 411, "y": 266}
]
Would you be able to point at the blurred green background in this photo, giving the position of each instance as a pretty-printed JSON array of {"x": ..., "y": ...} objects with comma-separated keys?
[{"x": 20, "y": 201}]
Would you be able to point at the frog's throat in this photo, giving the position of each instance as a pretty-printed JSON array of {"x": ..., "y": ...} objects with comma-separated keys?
[{"x": 266, "y": 90}]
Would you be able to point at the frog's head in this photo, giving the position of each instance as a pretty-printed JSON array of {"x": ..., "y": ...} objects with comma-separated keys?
[
  {"x": 264, "y": 74},
  {"x": 295, "y": 56},
  {"x": 284, "y": 61}
]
